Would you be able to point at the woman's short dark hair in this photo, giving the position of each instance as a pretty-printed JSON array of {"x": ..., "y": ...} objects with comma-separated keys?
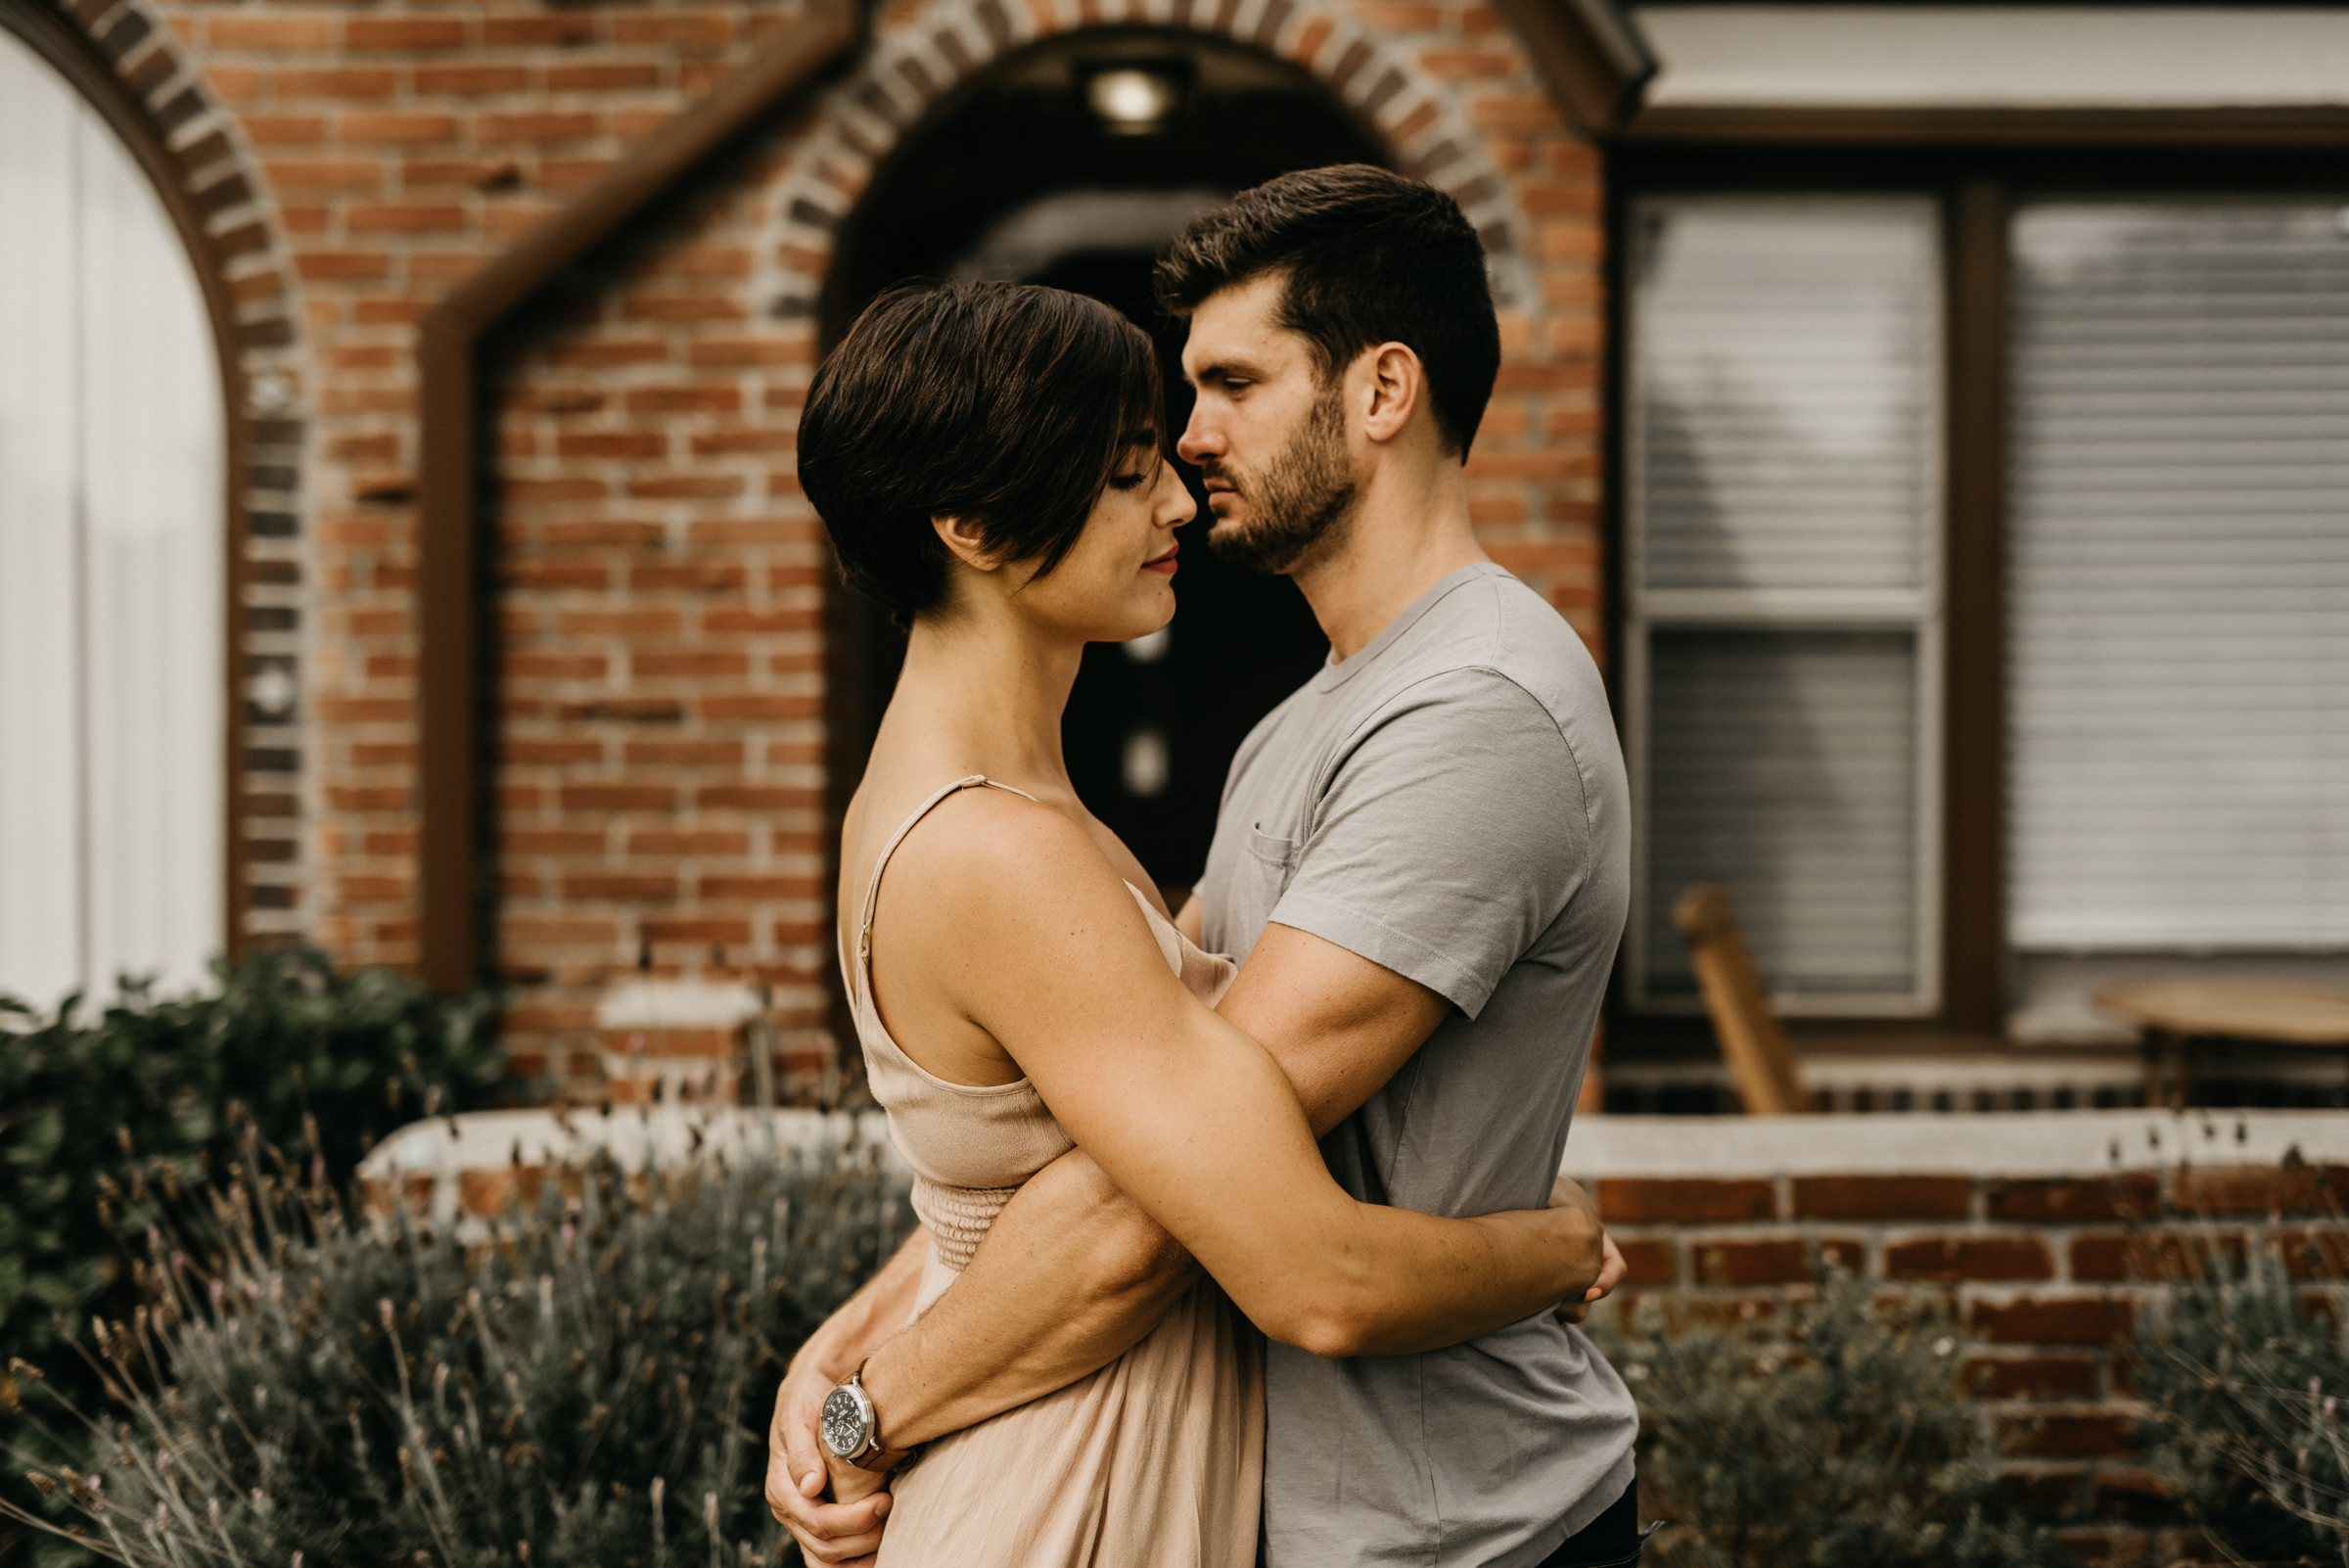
[
  {"x": 1004, "y": 403},
  {"x": 1371, "y": 258}
]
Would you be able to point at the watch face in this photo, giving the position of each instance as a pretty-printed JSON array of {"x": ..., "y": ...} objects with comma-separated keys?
[{"x": 846, "y": 1423}]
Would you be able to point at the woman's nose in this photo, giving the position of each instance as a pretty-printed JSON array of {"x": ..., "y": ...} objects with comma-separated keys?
[{"x": 1176, "y": 506}]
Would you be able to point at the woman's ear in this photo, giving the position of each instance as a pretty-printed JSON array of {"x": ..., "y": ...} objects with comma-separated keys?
[{"x": 962, "y": 538}]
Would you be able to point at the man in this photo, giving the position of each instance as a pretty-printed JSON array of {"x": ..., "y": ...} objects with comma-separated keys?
[{"x": 1421, "y": 858}]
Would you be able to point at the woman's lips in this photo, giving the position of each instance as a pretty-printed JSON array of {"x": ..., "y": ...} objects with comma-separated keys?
[{"x": 1165, "y": 564}]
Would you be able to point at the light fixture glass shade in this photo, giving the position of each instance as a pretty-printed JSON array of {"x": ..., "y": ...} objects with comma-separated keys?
[{"x": 1129, "y": 100}]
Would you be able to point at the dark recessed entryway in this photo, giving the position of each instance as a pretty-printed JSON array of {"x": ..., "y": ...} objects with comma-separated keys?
[{"x": 1070, "y": 163}]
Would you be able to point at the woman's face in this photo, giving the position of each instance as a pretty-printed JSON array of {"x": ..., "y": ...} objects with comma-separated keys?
[{"x": 1118, "y": 582}]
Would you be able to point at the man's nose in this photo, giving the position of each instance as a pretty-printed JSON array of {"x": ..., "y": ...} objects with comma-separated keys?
[{"x": 1197, "y": 440}]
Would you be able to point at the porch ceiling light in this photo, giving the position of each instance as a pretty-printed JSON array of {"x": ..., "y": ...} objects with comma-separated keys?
[{"x": 1131, "y": 100}]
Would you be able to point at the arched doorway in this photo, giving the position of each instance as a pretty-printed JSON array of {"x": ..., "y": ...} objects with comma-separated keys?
[
  {"x": 1070, "y": 163},
  {"x": 113, "y": 562}
]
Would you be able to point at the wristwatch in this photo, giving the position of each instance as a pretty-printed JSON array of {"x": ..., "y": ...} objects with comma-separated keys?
[{"x": 851, "y": 1431}]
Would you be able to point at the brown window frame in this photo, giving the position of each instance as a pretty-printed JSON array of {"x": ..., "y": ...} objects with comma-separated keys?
[{"x": 1977, "y": 167}]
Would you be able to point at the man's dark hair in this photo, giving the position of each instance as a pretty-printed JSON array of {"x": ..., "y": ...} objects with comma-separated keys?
[
  {"x": 1371, "y": 258},
  {"x": 1000, "y": 401}
]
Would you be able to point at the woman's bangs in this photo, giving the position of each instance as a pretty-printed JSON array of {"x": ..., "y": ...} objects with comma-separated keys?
[{"x": 1142, "y": 394}]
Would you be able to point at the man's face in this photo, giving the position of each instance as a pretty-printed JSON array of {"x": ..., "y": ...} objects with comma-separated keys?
[{"x": 1270, "y": 439}]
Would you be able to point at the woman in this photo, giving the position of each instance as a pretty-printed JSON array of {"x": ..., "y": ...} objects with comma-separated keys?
[{"x": 988, "y": 462}]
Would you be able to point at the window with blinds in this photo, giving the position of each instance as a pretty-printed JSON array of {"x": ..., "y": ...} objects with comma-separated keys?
[
  {"x": 2180, "y": 577},
  {"x": 111, "y": 660},
  {"x": 1784, "y": 546}
]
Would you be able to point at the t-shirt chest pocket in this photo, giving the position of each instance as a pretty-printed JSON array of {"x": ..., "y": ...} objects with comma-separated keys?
[{"x": 1275, "y": 861}]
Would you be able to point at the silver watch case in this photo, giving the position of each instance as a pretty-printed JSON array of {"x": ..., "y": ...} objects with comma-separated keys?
[{"x": 850, "y": 1430}]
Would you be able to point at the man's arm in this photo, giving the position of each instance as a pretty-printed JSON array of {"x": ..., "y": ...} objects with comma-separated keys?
[
  {"x": 1339, "y": 1025},
  {"x": 1073, "y": 1273}
]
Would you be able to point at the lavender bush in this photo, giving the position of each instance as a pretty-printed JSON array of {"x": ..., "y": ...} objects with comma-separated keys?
[
  {"x": 1838, "y": 1439},
  {"x": 2247, "y": 1429},
  {"x": 586, "y": 1384},
  {"x": 320, "y": 1060}
]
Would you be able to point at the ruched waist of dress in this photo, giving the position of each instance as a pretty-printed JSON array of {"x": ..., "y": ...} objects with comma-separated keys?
[{"x": 958, "y": 1218}]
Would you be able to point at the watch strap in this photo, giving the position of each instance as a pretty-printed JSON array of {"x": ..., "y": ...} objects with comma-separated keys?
[{"x": 873, "y": 1456}]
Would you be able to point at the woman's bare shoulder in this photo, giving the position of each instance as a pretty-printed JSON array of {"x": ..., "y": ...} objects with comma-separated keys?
[
  {"x": 1000, "y": 880},
  {"x": 993, "y": 840}
]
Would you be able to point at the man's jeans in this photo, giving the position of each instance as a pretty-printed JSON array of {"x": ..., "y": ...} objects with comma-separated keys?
[{"x": 1610, "y": 1541}]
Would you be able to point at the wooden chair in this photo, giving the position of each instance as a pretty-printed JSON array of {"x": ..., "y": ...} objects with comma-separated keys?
[{"x": 1757, "y": 1051}]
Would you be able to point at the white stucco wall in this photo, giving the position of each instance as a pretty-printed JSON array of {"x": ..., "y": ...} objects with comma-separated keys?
[{"x": 2085, "y": 57}]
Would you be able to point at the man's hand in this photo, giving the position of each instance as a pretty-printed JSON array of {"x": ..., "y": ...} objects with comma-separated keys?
[
  {"x": 1610, "y": 1274},
  {"x": 1565, "y": 1192},
  {"x": 846, "y": 1532}
]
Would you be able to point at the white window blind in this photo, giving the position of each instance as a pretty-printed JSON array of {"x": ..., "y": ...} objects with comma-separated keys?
[
  {"x": 112, "y": 672},
  {"x": 2180, "y": 558},
  {"x": 1783, "y": 568}
]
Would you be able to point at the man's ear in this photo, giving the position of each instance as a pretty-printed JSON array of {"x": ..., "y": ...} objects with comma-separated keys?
[
  {"x": 1392, "y": 383},
  {"x": 962, "y": 535}
]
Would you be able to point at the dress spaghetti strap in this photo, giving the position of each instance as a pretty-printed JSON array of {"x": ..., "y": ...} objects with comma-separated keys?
[{"x": 860, "y": 973}]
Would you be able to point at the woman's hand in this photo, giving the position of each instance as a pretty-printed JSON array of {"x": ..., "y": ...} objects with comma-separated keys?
[{"x": 846, "y": 1530}]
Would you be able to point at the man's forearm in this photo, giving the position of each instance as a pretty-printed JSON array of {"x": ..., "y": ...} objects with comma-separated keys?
[
  {"x": 1072, "y": 1275},
  {"x": 868, "y": 1319}
]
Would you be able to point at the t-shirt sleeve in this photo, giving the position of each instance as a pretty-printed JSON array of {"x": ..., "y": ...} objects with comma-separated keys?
[{"x": 1451, "y": 835}]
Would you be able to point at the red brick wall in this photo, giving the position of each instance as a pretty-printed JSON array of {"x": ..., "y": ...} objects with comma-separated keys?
[
  {"x": 658, "y": 764},
  {"x": 399, "y": 149},
  {"x": 2046, "y": 1275},
  {"x": 660, "y": 789}
]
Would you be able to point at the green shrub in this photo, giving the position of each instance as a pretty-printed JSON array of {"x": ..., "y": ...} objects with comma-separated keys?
[
  {"x": 2245, "y": 1430},
  {"x": 322, "y": 1061},
  {"x": 588, "y": 1385},
  {"x": 1840, "y": 1441}
]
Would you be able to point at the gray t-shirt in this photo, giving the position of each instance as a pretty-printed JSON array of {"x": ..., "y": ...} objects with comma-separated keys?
[{"x": 1449, "y": 802}]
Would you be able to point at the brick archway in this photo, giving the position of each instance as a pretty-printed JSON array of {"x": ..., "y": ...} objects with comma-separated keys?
[
  {"x": 130, "y": 68},
  {"x": 1459, "y": 99},
  {"x": 1378, "y": 77}
]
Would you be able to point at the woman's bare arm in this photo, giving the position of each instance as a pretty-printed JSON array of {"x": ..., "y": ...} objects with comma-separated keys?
[
  {"x": 1074, "y": 1273},
  {"x": 1029, "y": 934}
]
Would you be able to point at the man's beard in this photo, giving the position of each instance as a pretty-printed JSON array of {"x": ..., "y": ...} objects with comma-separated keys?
[{"x": 1300, "y": 504}]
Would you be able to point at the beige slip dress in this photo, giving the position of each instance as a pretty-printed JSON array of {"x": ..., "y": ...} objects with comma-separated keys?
[{"x": 1156, "y": 1459}]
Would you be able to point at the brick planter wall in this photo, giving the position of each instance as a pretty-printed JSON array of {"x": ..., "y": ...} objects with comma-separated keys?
[{"x": 2045, "y": 1233}]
